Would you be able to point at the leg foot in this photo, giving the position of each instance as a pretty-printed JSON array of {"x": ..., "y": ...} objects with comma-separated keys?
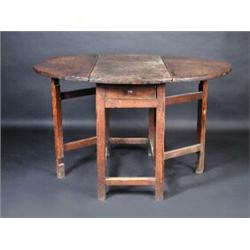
[
  {"x": 60, "y": 169},
  {"x": 199, "y": 168},
  {"x": 198, "y": 171},
  {"x": 159, "y": 196},
  {"x": 60, "y": 172},
  {"x": 101, "y": 193}
]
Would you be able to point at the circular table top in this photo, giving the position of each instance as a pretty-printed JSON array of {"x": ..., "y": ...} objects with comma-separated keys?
[{"x": 131, "y": 68}]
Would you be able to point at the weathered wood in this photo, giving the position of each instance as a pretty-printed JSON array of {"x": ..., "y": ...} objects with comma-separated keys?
[
  {"x": 107, "y": 150},
  {"x": 102, "y": 104},
  {"x": 133, "y": 140},
  {"x": 101, "y": 141},
  {"x": 130, "y": 181},
  {"x": 130, "y": 92},
  {"x": 201, "y": 126},
  {"x": 80, "y": 143},
  {"x": 159, "y": 143},
  {"x": 74, "y": 68},
  {"x": 57, "y": 125},
  {"x": 130, "y": 69},
  {"x": 127, "y": 103},
  {"x": 151, "y": 132},
  {"x": 77, "y": 93},
  {"x": 182, "y": 151},
  {"x": 183, "y": 98},
  {"x": 184, "y": 69}
]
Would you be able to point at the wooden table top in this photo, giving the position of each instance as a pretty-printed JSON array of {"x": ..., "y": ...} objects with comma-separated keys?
[{"x": 131, "y": 69}]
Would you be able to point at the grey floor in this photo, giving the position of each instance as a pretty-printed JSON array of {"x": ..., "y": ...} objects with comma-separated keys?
[{"x": 30, "y": 188}]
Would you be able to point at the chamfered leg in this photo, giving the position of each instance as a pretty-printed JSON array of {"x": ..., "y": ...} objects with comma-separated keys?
[
  {"x": 101, "y": 141},
  {"x": 57, "y": 125},
  {"x": 107, "y": 133},
  {"x": 201, "y": 126},
  {"x": 151, "y": 132},
  {"x": 159, "y": 143}
]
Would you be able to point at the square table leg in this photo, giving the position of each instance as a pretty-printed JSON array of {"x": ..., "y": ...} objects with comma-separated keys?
[
  {"x": 151, "y": 132},
  {"x": 159, "y": 143},
  {"x": 112, "y": 97},
  {"x": 101, "y": 133},
  {"x": 201, "y": 126},
  {"x": 107, "y": 153},
  {"x": 57, "y": 125}
]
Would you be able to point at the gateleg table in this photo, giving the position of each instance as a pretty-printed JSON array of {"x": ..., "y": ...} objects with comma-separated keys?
[{"x": 130, "y": 81}]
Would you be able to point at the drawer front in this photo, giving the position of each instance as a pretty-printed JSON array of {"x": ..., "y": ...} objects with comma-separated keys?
[{"x": 130, "y": 92}]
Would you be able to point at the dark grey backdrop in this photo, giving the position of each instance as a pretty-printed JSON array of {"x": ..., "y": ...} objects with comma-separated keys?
[
  {"x": 27, "y": 150},
  {"x": 26, "y": 98}
]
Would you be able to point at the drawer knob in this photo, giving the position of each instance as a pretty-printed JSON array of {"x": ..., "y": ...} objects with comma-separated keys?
[{"x": 130, "y": 91}]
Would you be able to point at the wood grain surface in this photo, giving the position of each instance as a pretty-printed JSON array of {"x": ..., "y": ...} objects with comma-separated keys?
[
  {"x": 131, "y": 69},
  {"x": 184, "y": 69},
  {"x": 72, "y": 68}
]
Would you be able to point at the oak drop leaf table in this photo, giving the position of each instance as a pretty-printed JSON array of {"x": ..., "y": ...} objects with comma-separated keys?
[{"x": 130, "y": 81}]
